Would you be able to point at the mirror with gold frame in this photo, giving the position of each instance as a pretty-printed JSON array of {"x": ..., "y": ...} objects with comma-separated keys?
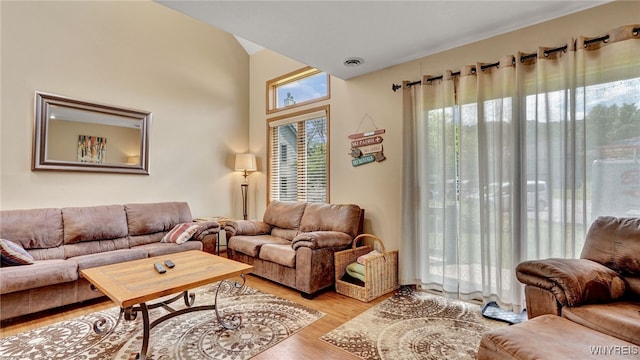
[{"x": 77, "y": 135}]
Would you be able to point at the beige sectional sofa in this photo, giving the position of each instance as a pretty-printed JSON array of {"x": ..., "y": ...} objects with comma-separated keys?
[
  {"x": 63, "y": 241},
  {"x": 294, "y": 243}
]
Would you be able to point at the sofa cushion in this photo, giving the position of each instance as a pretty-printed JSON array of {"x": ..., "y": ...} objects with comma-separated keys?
[
  {"x": 145, "y": 239},
  {"x": 156, "y": 217},
  {"x": 12, "y": 254},
  {"x": 331, "y": 217},
  {"x": 158, "y": 249},
  {"x": 48, "y": 253},
  {"x": 615, "y": 243},
  {"x": 33, "y": 229},
  {"x": 180, "y": 233},
  {"x": 250, "y": 245},
  {"x": 94, "y": 223},
  {"x": 284, "y": 214},
  {"x": 282, "y": 254},
  {"x": 288, "y": 234},
  {"x": 619, "y": 319},
  {"x": 94, "y": 247},
  {"x": 546, "y": 337},
  {"x": 41, "y": 273},
  {"x": 108, "y": 257}
]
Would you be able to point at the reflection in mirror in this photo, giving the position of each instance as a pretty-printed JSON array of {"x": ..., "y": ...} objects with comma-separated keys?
[{"x": 82, "y": 136}]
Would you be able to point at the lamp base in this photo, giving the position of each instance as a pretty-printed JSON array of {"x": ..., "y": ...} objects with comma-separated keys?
[{"x": 243, "y": 189}]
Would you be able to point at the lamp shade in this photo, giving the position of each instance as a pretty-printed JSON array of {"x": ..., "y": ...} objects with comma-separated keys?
[{"x": 245, "y": 162}]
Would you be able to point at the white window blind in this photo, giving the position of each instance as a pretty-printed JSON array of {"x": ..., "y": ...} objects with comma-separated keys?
[{"x": 298, "y": 157}]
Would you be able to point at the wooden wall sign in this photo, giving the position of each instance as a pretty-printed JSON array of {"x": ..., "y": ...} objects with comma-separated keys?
[
  {"x": 366, "y": 147},
  {"x": 363, "y": 160},
  {"x": 370, "y": 149},
  {"x": 367, "y": 141},
  {"x": 365, "y": 134}
]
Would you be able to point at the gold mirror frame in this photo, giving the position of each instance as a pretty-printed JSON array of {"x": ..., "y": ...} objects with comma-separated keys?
[{"x": 77, "y": 135}]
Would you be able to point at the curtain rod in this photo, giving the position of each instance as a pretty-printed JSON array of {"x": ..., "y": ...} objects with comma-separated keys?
[{"x": 564, "y": 48}]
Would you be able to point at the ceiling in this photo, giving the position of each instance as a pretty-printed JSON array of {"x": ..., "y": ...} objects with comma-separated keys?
[{"x": 324, "y": 34}]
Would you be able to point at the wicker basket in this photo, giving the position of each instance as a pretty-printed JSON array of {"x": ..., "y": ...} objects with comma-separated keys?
[{"x": 381, "y": 271}]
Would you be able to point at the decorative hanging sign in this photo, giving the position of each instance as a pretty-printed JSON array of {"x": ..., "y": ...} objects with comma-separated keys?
[
  {"x": 363, "y": 160},
  {"x": 366, "y": 147},
  {"x": 370, "y": 149},
  {"x": 365, "y": 134},
  {"x": 367, "y": 141}
]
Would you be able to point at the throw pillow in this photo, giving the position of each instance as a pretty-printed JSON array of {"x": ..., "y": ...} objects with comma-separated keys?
[
  {"x": 12, "y": 254},
  {"x": 180, "y": 233}
]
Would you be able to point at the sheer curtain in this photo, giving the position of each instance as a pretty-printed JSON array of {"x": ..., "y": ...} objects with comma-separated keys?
[{"x": 514, "y": 160}]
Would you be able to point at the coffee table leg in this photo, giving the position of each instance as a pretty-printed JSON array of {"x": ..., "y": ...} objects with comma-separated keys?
[
  {"x": 236, "y": 320},
  {"x": 130, "y": 314},
  {"x": 189, "y": 298},
  {"x": 98, "y": 325},
  {"x": 142, "y": 355}
]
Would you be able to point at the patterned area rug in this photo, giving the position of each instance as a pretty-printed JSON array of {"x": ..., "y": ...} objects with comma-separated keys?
[
  {"x": 266, "y": 320},
  {"x": 414, "y": 325}
]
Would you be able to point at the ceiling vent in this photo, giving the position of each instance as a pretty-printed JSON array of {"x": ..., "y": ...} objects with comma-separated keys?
[{"x": 353, "y": 61}]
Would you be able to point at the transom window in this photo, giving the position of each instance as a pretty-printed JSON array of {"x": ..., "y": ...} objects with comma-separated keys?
[{"x": 301, "y": 87}]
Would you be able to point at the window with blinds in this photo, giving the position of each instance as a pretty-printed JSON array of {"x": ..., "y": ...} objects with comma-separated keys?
[{"x": 299, "y": 156}]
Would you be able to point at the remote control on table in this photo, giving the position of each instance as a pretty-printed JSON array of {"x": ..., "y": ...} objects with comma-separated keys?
[
  {"x": 159, "y": 268},
  {"x": 169, "y": 264}
]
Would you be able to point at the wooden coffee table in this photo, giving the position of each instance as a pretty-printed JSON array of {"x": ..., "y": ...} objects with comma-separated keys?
[{"x": 132, "y": 284}]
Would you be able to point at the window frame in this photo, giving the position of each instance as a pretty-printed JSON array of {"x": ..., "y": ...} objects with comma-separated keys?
[
  {"x": 292, "y": 116},
  {"x": 274, "y": 84}
]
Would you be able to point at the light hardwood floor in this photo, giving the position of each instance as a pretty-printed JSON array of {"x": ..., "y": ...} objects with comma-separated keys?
[{"x": 305, "y": 344}]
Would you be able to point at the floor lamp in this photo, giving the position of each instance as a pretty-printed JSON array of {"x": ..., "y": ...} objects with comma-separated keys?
[{"x": 245, "y": 163}]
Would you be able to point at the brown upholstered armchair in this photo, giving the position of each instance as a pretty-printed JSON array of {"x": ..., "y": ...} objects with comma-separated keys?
[{"x": 601, "y": 290}]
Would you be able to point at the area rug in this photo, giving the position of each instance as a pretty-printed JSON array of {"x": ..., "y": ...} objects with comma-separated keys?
[
  {"x": 266, "y": 320},
  {"x": 414, "y": 324}
]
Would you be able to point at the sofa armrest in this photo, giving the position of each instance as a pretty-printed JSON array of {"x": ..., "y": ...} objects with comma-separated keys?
[
  {"x": 246, "y": 227},
  {"x": 206, "y": 228},
  {"x": 573, "y": 281},
  {"x": 321, "y": 240}
]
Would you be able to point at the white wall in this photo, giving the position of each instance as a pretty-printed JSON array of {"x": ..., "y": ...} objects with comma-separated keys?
[
  {"x": 135, "y": 54},
  {"x": 377, "y": 186}
]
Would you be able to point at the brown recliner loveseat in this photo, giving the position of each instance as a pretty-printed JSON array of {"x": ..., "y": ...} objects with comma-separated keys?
[
  {"x": 579, "y": 308},
  {"x": 294, "y": 243}
]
